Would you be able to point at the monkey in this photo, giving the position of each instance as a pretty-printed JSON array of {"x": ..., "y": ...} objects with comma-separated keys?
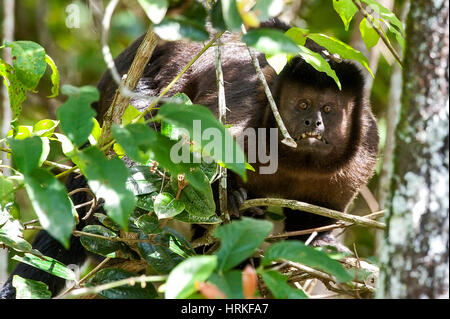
[{"x": 335, "y": 131}]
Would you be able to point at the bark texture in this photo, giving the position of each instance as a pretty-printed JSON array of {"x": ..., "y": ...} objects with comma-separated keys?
[{"x": 415, "y": 255}]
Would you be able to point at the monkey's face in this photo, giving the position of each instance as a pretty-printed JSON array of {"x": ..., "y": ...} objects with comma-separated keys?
[{"x": 318, "y": 120}]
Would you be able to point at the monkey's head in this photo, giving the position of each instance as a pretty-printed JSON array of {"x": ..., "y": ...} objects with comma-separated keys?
[{"x": 324, "y": 121}]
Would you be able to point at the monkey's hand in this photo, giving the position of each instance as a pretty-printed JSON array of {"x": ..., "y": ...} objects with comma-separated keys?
[{"x": 235, "y": 199}]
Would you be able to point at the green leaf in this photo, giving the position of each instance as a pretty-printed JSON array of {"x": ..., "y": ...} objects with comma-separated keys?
[
  {"x": 197, "y": 202},
  {"x": 277, "y": 283},
  {"x": 107, "y": 180},
  {"x": 266, "y": 9},
  {"x": 270, "y": 41},
  {"x": 346, "y": 10},
  {"x": 239, "y": 239},
  {"x": 146, "y": 202},
  {"x": 54, "y": 78},
  {"x": 47, "y": 264},
  {"x": 108, "y": 275},
  {"x": 196, "y": 119},
  {"x": 298, "y": 35},
  {"x": 182, "y": 279},
  {"x": 217, "y": 16},
  {"x": 67, "y": 147},
  {"x": 45, "y": 150},
  {"x": 180, "y": 27},
  {"x": 11, "y": 230},
  {"x": 45, "y": 128},
  {"x": 155, "y": 9},
  {"x": 51, "y": 203},
  {"x": 148, "y": 223},
  {"x": 141, "y": 143},
  {"x": 76, "y": 115},
  {"x": 178, "y": 243},
  {"x": 135, "y": 140},
  {"x": 142, "y": 181},
  {"x": 28, "y": 61},
  {"x": 17, "y": 91},
  {"x": 344, "y": 50},
  {"x": 27, "y": 153},
  {"x": 230, "y": 283},
  {"x": 95, "y": 134},
  {"x": 21, "y": 132},
  {"x": 100, "y": 246},
  {"x": 171, "y": 131},
  {"x": 30, "y": 289},
  {"x": 107, "y": 221},
  {"x": 166, "y": 206},
  {"x": 231, "y": 15},
  {"x": 385, "y": 14},
  {"x": 183, "y": 98},
  {"x": 319, "y": 63},
  {"x": 163, "y": 254},
  {"x": 6, "y": 191},
  {"x": 298, "y": 252},
  {"x": 368, "y": 34},
  {"x": 14, "y": 242},
  {"x": 130, "y": 114}
]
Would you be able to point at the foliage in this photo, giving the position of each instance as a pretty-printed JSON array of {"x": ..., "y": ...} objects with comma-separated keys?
[{"x": 139, "y": 200}]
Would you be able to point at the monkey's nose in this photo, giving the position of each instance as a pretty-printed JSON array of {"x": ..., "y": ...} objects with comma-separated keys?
[{"x": 309, "y": 122}]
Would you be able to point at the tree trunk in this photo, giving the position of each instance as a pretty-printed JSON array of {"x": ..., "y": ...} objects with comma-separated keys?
[
  {"x": 6, "y": 113},
  {"x": 415, "y": 255}
]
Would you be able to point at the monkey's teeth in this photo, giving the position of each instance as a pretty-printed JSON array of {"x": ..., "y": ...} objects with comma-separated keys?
[
  {"x": 304, "y": 135},
  {"x": 319, "y": 137}
]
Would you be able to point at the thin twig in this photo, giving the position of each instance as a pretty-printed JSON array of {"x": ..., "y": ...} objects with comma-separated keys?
[
  {"x": 93, "y": 201},
  {"x": 288, "y": 140},
  {"x": 221, "y": 101},
  {"x": 309, "y": 208},
  {"x": 375, "y": 215},
  {"x": 47, "y": 163},
  {"x": 380, "y": 33},
  {"x": 328, "y": 278},
  {"x": 78, "y": 233},
  {"x": 90, "y": 274},
  {"x": 128, "y": 281}
]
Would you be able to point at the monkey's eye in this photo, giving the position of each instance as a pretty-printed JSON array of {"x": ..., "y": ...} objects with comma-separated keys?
[
  {"x": 327, "y": 109},
  {"x": 303, "y": 105}
]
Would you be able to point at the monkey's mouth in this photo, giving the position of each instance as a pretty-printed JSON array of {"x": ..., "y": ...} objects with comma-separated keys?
[{"x": 312, "y": 136}]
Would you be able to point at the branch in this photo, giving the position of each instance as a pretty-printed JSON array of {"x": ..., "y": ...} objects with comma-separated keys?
[
  {"x": 324, "y": 277},
  {"x": 288, "y": 140},
  {"x": 121, "y": 101},
  {"x": 78, "y": 233},
  {"x": 380, "y": 33},
  {"x": 48, "y": 163},
  {"x": 127, "y": 281},
  {"x": 296, "y": 205},
  {"x": 222, "y": 118}
]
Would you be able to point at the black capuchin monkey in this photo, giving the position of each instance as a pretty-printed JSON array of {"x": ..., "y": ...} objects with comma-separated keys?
[{"x": 335, "y": 131}]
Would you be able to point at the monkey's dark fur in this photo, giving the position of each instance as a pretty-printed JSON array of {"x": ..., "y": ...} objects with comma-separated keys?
[{"x": 328, "y": 173}]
